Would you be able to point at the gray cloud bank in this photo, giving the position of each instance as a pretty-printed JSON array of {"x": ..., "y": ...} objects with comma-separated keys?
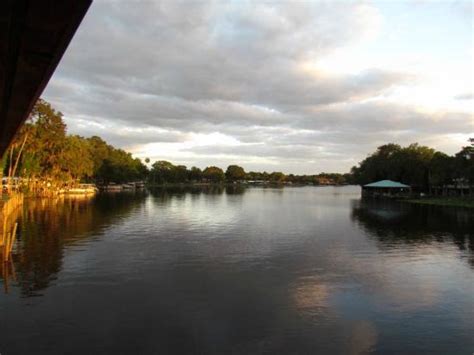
[{"x": 159, "y": 72}]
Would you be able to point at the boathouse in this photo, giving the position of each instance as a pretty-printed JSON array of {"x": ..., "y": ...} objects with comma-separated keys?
[{"x": 386, "y": 188}]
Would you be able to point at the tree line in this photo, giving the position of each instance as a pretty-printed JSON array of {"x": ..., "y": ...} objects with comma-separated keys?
[
  {"x": 421, "y": 167},
  {"x": 43, "y": 153},
  {"x": 164, "y": 172}
]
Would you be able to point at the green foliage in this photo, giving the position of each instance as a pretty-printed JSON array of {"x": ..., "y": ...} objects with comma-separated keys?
[
  {"x": 75, "y": 158},
  {"x": 254, "y": 175},
  {"x": 213, "y": 174},
  {"x": 277, "y": 176},
  {"x": 319, "y": 179},
  {"x": 195, "y": 174},
  {"x": 464, "y": 164},
  {"x": 51, "y": 154},
  {"x": 163, "y": 172},
  {"x": 235, "y": 173},
  {"x": 380, "y": 165},
  {"x": 37, "y": 148},
  {"x": 441, "y": 169},
  {"x": 418, "y": 166}
]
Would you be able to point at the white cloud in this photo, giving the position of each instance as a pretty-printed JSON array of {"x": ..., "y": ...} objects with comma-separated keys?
[{"x": 299, "y": 87}]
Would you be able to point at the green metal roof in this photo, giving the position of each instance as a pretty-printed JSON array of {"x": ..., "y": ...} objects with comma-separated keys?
[{"x": 387, "y": 184}]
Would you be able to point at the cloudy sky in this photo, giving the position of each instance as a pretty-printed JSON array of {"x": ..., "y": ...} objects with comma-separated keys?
[{"x": 300, "y": 87}]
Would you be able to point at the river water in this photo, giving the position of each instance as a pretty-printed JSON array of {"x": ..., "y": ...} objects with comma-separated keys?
[{"x": 305, "y": 270}]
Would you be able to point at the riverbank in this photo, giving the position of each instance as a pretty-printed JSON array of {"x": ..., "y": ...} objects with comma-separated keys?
[
  {"x": 237, "y": 183},
  {"x": 466, "y": 202}
]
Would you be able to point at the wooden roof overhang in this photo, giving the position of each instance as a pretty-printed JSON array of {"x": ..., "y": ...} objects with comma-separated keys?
[{"x": 33, "y": 38}]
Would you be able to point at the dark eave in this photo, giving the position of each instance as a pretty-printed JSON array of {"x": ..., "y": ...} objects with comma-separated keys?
[{"x": 33, "y": 37}]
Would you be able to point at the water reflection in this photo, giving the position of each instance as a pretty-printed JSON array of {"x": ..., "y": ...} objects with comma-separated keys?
[
  {"x": 7, "y": 273},
  {"x": 48, "y": 226},
  {"x": 230, "y": 270},
  {"x": 177, "y": 191},
  {"x": 394, "y": 223}
]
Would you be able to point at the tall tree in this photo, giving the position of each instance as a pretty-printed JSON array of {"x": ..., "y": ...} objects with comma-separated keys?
[
  {"x": 195, "y": 174},
  {"x": 277, "y": 176},
  {"x": 234, "y": 173},
  {"x": 76, "y": 161},
  {"x": 213, "y": 174}
]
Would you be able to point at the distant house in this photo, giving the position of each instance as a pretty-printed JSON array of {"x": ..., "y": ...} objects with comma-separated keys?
[{"x": 385, "y": 188}]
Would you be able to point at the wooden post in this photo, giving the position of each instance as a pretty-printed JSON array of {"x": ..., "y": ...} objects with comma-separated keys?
[
  {"x": 5, "y": 248},
  {"x": 4, "y": 232},
  {"x": 13, "y": 237}
]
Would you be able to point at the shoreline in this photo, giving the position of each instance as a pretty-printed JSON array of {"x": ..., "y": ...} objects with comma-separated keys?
[
  {"x": 465, "y": 202},
  {"x": 243, "y": 184}
]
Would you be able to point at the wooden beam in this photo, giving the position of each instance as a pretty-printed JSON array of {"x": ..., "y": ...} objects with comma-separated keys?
[{"x": 33, "y": 38}]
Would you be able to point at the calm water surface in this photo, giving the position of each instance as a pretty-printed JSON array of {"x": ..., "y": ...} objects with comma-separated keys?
[{"x": 240, "y": 271}]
